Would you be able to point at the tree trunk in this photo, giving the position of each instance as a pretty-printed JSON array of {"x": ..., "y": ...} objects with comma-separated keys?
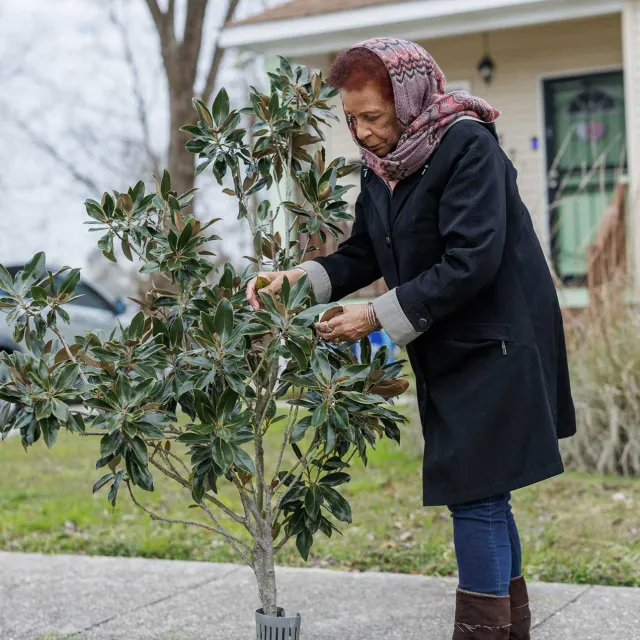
[
  {"x": 264, "y": 567},
  {"x": 181, "y": 161}
]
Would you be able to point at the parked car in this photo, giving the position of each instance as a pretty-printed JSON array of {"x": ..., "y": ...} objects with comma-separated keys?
[{"x": 94, "y": 311}]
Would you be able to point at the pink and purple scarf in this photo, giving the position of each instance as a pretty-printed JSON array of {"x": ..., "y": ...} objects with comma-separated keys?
[{"x": 423, "y": 108}]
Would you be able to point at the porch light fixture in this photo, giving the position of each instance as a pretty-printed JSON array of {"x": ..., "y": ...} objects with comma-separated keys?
[{"x": 486, "y": 66}]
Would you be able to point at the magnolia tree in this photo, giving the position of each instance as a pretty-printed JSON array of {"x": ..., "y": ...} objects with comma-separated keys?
[{"x": 190, "y": 386}]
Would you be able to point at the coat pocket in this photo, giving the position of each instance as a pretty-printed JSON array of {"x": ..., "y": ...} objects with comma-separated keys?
[
  {"x": 476, "y": 331},
  {"x": 463, "y": 349}
]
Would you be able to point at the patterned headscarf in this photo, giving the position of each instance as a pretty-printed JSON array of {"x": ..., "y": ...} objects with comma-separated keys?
[{"x": 423, "y": 108}]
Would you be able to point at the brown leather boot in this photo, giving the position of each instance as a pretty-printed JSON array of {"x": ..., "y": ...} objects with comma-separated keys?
[
  {"x": 520, "y": 612},
  {"x": 481, "y": 616}
]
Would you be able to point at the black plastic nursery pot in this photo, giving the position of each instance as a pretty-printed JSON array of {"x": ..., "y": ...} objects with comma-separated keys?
[{"x": 277, "y": 627}]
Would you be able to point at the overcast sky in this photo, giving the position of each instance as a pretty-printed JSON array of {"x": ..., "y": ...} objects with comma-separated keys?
[{"x": 65, "y": 85}]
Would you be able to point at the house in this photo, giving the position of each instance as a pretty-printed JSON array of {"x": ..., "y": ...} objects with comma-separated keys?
[{"x": 564, "y": 73}]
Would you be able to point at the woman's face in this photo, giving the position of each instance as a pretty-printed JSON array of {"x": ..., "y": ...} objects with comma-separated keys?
[{"x": 374, "y": 118}]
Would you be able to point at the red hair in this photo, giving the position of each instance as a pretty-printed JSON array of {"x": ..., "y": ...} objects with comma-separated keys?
[{"x": 355, "y": 68}]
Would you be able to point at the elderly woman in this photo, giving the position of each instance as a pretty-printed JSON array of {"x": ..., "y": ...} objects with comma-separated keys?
[{"x": 470, "y": 294}]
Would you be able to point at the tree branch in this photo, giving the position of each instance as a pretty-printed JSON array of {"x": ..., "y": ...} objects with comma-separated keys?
[
  {"x": 281, "y": 544},
  {"x": 53, "y": 153},
  {"x": 191, "y": 43},
  {"x": 232, "y": 540},
  {"x": 305, "y": 463},
  {"x": 218, "y": 52},
  {"x": 232, "y": 514},
  {"x": 137, "y": 92},
  {"x": 158, "y": 17}
]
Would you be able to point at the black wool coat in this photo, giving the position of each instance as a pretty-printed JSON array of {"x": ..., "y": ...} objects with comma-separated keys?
[{"x": 490, "y": 361}]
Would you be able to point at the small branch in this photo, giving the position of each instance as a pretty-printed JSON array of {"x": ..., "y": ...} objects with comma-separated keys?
[
  {"x": 137, "y": 92},
  {"x": 230, "y": 539},
  {"x": 54, "y": 154},
  {"x": 232, "y": 514},
  {"x": 281, "y": 544},
  {"x": 293, "y": 415},
  {"x": 302, "y": 461},
  {"x": 305, "y": 464},
  {"x": 71, "y": 356},
  {"x": 306, "y": 247},
  {"x": 175, "y": 457},
  {"x": 218, "y": 52},
  {"x": 158, "y": 17},
  {"x": 248, "y": 503}
]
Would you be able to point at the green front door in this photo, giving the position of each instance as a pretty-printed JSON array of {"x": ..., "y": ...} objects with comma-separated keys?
[{"x": 586, "y": 151}]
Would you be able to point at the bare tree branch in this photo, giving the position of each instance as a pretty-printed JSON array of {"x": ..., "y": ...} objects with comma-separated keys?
[
  {"x": 232, "y": 540},
  {"x": 189, "y": 50},
  {"x": 53, "y": 153},
  {"x": 218, "y": 53},
  {"x": 232, "y": 514},
  {"x": 137, "y": 91},
  {"x": 158, "y": 17}
]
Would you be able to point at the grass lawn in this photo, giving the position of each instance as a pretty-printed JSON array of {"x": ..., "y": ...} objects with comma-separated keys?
[{"x": 574, "y": 528}]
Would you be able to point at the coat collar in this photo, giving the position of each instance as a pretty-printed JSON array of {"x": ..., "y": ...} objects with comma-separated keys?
[{"x": 389, "y": 204}]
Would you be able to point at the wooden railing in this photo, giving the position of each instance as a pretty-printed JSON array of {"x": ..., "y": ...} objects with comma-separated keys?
[{"x": 607, "y": 255}]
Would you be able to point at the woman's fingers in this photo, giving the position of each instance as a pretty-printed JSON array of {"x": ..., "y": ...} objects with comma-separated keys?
[{"x": 252, "y": 294}]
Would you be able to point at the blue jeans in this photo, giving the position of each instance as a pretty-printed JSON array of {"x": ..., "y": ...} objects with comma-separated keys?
[{"x": 487, "y": 544}]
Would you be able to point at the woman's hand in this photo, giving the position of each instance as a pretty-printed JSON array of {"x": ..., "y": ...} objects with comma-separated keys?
[
  {"x": 350, "y": 325},
  {"x": 275, "y": 279}
]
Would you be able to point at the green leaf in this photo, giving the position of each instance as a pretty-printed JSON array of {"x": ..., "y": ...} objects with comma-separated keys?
[
  {"x": 298, "y": 354},
  {"x": 33, "y": 270},
  {"x": 6, "y": 281},
  {"x": 39, "y": 294},
  {"x": 65, "y": 377},
  {"x": 320, "y": 365},
  {"x": 304, "y": 540},
  {"x": 165, "y": 185},
  {"x": 311, "y": 313},
  {"x": 104, "y": 480},
  {"x": 109, "y": 443},
  {"x": 299, "y": 293},
  {"x": 150, "y": 267},
  {"x": 68, "y": 285},
  {"x": 227, "y": 404},
  {"x": 222, "y": 453},
  {"x": 362, "y": 398},
  {"x": 335, "y": 479},
  {"x": 223, "y": 319},
  {"x": 113, "y": 492},
  {"x": 139, "y": 449},
  {"x": 220, "y": 107},
  {"x": 340, "y": 508},
  {"x": 60, "y": 410},
  {"x": 320, "y": 414},
  {"x": 351, "y": 374},
  {"x": 313, "y": 501},
  {"x": 123, "y": 389},
  {"x": 243, "y": 460},
  {"x": 136, "y": 326},
  {"x": 300, "y": 429},
  {"x": 176, "y": 332},
  {"x": 341, "y": 418},
  {"x": 50, "y": 428},
  {"x": 204, "y": 115}
]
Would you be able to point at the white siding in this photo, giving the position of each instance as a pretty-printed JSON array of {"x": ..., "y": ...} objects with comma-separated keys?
[
  {"x": 631, "y": 37},
  {"x": 524, "y": 56}
]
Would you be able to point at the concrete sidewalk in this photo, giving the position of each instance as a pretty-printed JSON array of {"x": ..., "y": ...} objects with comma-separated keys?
[{"x": 130, "y": 598}]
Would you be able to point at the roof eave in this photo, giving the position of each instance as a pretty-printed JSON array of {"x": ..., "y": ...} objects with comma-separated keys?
[{"x": 420, "y": 19}]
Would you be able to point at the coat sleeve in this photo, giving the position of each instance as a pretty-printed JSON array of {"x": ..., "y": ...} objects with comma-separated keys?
[
  {"x": 472, "y": 222},
  {"x": 352, "y": 266}
]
